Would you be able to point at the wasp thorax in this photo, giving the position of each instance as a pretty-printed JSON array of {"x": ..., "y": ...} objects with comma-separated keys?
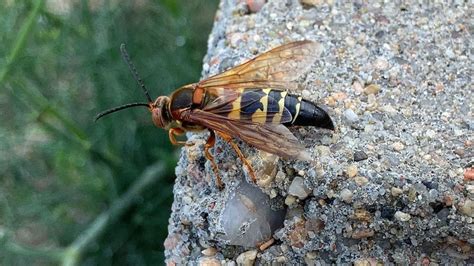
[{"x": 159, "y": 112}]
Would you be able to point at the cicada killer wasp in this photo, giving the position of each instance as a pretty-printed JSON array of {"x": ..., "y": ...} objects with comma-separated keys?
[{"x": 252, "y": 102}]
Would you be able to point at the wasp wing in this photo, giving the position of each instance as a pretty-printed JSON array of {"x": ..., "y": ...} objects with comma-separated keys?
[
  {"x": 275, "y": 139},
  {"x": 276, "y": 68}
]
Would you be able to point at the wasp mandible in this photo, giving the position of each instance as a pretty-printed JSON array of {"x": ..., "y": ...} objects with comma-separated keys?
[{"x": 252, "y": 101}]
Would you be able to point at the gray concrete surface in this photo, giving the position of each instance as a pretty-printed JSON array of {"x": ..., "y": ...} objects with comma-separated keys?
[{"x": 392, "y": 184}]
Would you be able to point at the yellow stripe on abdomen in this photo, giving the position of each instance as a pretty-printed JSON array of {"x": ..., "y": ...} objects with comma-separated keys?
[
  {"x": 297, "y": 107},
  {"x": 281, "y": 106}
]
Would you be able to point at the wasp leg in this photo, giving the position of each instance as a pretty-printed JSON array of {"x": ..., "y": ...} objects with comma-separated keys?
[
  {"x": 173, "y": 132},
  {"x": 229, "y": 140},
  {"x": 209, "y": 144}
]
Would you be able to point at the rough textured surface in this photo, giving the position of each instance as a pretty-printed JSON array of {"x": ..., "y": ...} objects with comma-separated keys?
[{"x": 392, "y": 183}]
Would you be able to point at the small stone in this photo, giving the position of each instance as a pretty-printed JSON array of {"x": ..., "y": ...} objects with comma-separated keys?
[
  {"x": 209, "y": 252},
  {"x": 357, "y": 87},
  {"x": 360, "y": 156},
  {"x": 339, "y": 96},
  {"x": 402, "y": 217},
  {"x": 171, "y": 241},
  {"x": 460, "y": 152},
  {"x": 247, "y": 258},
  {"x": 366, "y": 262},
  {"x": 351, "y": 116},
  {"x": 448, "y": 200},
  {"x": 381, "y": 63},
  {"x": 470, "y": 189},
  {"x": 290, "y": 200},
  {"x": 350, "y": 41},
  {"x": 389, "y": 109},
  {"x": 351, "y": 170},
  {"x": 362, "y": 215},
  {"x": 361, "y": 181},
  {"x": 430, "y": 133},
  {"x": 469, "y": 174},
  {"x": 255, "y": 5},
  {"x": 312, "y": 2},
  {"x": 315, "y": 225},
  {"x": 247, "y": 218},
  {"x": 362, "y": 233},
  {"x": 310, "y": 257},
  {"x": 398, "y": 146},
  {"x": 387, "y": 213},
  {"x": 280, "y": 177},
  {"x": 298, "y": 188},
  {"x": 298, "y": 235},
  {"x": 395, "y": 191},
  {"x": 346, "y": 195},
  {"x": 236, "y": 38},
  {"x": 209, "y": 261},
  {"x": 323, "y": 151},
  {"x": 305, "y": 93},
  {"x": 372, "y": 89},
  {"x": 467, "y": 208}
]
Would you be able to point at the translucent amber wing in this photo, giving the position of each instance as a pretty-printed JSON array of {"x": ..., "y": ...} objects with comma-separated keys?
[
  {"x": 275, "y": 139},
  {"x": 276, "y": 68}
]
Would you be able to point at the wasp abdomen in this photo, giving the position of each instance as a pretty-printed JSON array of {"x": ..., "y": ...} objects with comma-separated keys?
[
  {"x": 306, "y": 113},
  {"x": 268, "y": 106}
]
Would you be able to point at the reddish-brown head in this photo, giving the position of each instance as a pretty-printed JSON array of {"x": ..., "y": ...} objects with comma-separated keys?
[{"x": 159, "y": 112}]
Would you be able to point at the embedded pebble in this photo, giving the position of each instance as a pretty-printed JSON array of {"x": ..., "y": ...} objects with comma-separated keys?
[
  {"x": 290, "y": 200},
  {"x": 395, "y": 191},
  {"x": 360, "y": 156},
  {"x": 255, "y": 5},
  {"x": 312, "y": 2},
  {"x": 209, "y": 251},
  {"x": 363, "y": 233},
  {"x": 401, "y": 216},
  {"x": 247, "y": 258},
  {"x": 346, "y": 195},
  {"x": 209, "y": 261},
  {"x": 350, "y": 115},
  {"x": 298, "y": 188},
  {"x": 372, "y": 89},
  {"x": 247, "y": 218},
  {"x": 361, "y": 181},
  {"x": 381, "y": 63},
  {"x": 469, "y": 174},
  {"x": 398, "y": 146},
  {"x": 467, "y": 208},
  {"x": 470, "y": 188},
  {"x": 430, "y": 133},
  {"x": 351, "y": 170}
]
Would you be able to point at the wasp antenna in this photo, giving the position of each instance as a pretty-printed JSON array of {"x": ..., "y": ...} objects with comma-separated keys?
[
  {"x": 134, "y": 71},
  {"x": 118, "y": 108}
]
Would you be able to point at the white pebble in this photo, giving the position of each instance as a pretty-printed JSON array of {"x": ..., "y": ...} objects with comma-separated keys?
[
  {"x": 398, "y": 146},
  {"x": 247, "y": 258},
  {"x": 346, "y": 195},
  {"x": 402, "y": 217},
  {"x": 350, "y": 115},
  {"x": 298, "y": 188}
]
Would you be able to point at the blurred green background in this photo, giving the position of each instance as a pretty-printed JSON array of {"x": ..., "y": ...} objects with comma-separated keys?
[{"x": 60, "y": 65}]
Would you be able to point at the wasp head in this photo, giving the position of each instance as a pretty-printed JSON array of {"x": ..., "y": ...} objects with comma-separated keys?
[{"x": 159, "y": 112}]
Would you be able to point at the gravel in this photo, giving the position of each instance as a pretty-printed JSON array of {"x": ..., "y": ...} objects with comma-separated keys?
[{"x": 392, "y": 184}]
